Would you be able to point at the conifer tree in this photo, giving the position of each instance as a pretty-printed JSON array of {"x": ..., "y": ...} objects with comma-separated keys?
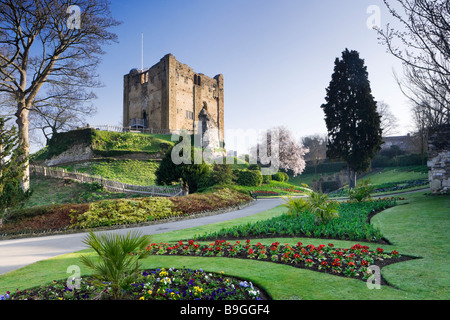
[
  {"x": 353, "y": 123},
  {"x": 12, "y": 165}
]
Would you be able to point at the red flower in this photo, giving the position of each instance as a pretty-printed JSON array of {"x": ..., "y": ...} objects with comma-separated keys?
[
  {"x": 250, "y": 251},
  {"x": 380, "y": 250},
  {"x": 336, "y": 262}
]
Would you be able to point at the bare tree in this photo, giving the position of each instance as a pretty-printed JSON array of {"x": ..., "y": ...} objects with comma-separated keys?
[
  {"x": 423, "y": 46},
  {"x": 46, "y": 42},
  {"x": 317, "y": 145},
  {"x": 62, "y": 112},
  {"x": 389, "y": 122}
]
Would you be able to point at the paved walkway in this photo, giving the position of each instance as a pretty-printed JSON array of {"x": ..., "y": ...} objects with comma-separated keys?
[{"x": 15, "y": 254}]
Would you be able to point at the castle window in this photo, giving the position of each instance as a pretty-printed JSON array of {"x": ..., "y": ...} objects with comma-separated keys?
[
  {"x": 197, "y": 80},
  {"x": 189, "y": 115},
  {"x": 144, "y": 78}
]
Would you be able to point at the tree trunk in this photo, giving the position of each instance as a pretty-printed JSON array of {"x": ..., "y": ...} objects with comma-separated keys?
[
  {"x": 351, "y": 178},
  {"x": 23, "y": 124}
]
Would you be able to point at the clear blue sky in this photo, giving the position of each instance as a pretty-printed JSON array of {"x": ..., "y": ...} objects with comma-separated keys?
[{"x": 277, "y": 57}]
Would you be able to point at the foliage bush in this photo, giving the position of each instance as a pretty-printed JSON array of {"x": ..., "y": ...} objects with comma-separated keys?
[
  {"x": 279, "y": 176},
  {"x": 316, "y": 203},
  {"x": 210, "y": 201},
  {"x": 195, "y": 175},
  {"x": 222, "y": 174},
  {"x": 113, "y": 212},
  {"x": 362, "y": 191},
  {"x": 41, "y": 219},
  {"x": 267, "y": 179},
  {"x": 249, "y": 178},
  {"x": 118, "y": 265},
  {"x": 124, "y": 211}
]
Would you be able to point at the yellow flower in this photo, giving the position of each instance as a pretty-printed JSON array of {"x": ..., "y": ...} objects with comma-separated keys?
[
  {"x": 150, "y": 292},
  {"x": 198, "y": 289},
  {"x": 141, "y": 298},
  {"x": 163, "y": 274}
]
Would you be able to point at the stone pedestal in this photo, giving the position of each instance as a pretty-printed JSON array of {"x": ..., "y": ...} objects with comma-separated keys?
[{"x": 439, "y": 160}]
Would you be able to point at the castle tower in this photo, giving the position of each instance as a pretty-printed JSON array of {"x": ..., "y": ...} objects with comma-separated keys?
[{"x": 170, "y": 96}]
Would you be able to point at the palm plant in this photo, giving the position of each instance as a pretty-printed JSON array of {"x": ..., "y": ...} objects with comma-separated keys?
[
  {"x": 322, "y": 207},
  {"x": 295, "y": 205},
  {"x": 362, "y": 192},
  {"x": 119, "y": 256}
]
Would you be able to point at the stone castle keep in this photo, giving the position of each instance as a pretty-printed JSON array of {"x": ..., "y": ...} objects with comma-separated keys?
[{"x": 170, "y": 96}]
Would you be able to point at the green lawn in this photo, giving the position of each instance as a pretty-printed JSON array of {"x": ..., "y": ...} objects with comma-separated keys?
[
  {"x": 135, "y": 172},
  {"x": 388, "y": 175},
  {"x": 48, "y": 191},
  {"x": 418, "y": 228},
  {"x": 132, "y": 142},
  {"x": 378, "y": 176}
]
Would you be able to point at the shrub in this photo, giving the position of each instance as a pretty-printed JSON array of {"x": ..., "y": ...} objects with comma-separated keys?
[
  {"x": 322, "y": 208},
  {"x": 195, "y": 175},
  {"x": 249, "y": 178},
  {"x": 118, "y": 266},
  {"x": 296, "y": 205},
  {"x": 362, "y": 191},
  {"x": 254, "y": 167},
  {"x": 210, "y": 201},
  {"x": 124, "y": 211},
  {"x": 286, "y": 177},
  {"x": 221, "y": 174},
  {"x": 267, "y": 179},
  {"x": 279, "y": 176},
  {"x": 316, "y": 203}
]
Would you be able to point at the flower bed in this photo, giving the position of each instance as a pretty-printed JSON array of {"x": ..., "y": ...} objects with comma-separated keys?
[
  {"x": 107, "y": 213},
  {"x": 159, "y": 284},
  {"x": 352, "y": 224},
  {"x": 353, "y": 262}
]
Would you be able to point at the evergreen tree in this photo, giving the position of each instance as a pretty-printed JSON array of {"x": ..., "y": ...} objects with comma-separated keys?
[
  {"x": 353, "y": 123},
  {"x": 194, "y": 175},
  {"x": 12, "y": 163}
]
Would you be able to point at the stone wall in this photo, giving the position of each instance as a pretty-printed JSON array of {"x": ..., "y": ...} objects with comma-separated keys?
[{"x": 439, "y": 159}]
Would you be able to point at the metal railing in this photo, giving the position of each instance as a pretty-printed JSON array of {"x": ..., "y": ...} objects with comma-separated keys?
[{"x": 110, "y": 185}]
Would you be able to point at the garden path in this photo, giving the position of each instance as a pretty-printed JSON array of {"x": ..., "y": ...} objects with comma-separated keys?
[{"x": 18, "y": 253}]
